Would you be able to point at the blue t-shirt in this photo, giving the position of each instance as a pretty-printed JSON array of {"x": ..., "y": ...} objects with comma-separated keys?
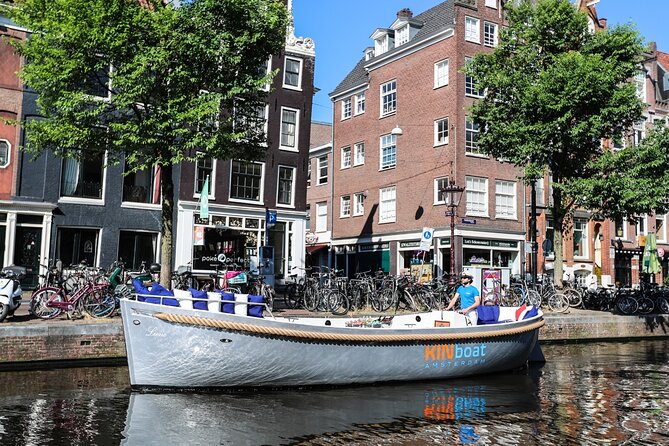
[{"x": 467, "y": 295}]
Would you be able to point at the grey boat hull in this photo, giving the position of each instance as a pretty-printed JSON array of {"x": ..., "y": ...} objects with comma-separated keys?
[{"x": 190, "y": 355}]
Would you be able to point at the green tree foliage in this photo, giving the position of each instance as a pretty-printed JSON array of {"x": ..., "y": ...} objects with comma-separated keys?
[
  {"x": 553, "y": 92},
  {"x": 148, "y": 82}
]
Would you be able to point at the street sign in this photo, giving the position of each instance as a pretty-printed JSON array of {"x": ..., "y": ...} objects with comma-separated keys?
[
  {"x": 270, "y": 217},
  {"x": 469, "y": 221},
  {"x": 660, "y": 252},
  {"x": 426, "y": 239}
]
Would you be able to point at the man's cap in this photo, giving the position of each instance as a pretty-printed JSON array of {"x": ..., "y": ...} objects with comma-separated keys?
[{"x": 465, "y": 274}]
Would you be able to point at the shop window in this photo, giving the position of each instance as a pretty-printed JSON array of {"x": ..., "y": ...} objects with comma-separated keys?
[
  {"x": 4, "y": 153},
  {"x": 476, "y": 257},
  {"x": 226, "y": 248},
  {"x": 135, "y": 247},
  {"x": 142, "y": 186},
  {"x": 82, "y": 178},
  {"x": 76, "y": 245}
]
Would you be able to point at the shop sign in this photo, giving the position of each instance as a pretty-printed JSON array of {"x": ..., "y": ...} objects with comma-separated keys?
[
  {"x": 660, "y": 252},
  {"x": 445, "y": 241},
  {"x": 469, "y": 221},
  {"x": 495, "y": 243},
  {"x": 311, "y": 238},
  {"x": 476, "y": 242},
  {"x": 374, "y": 247},
  {"x": 504, "y": 244},
  {"x": 408, "y": 245}
]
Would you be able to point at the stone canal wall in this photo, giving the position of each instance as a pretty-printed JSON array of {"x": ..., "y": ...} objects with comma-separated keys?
[{"x": 64, "y": 340}]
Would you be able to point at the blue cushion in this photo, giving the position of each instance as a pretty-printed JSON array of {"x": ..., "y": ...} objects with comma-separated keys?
[
  {"x": 487, "y": 314},
  {"x": 199, "y": 299},
  {"x": 531, "y": 313},
  {"x": 140, "y": 289},
  {"x": 256, "y": 310},
  {"x": 159, "y": 290},
  {"x": 228, "y": 307}
]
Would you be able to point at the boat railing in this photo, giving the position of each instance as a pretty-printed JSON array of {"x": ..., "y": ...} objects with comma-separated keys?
[{"x": 211, "y": 303}]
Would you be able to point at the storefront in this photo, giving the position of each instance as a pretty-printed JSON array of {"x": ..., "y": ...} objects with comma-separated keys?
[
  {"x": 365, "y": 257},
  {"x": 482, "y": 253},
  {"x": 420, "y": 264}
]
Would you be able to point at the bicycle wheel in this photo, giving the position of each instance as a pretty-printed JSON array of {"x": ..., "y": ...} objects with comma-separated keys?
[
  {"x": 533, "y": 298},
  {"x": 558, "y": 302},
  {"x": 424, "y": 300},
  {"x": 626, "y": 305},
  {"x": 311, "y": 298},
  {"x": 574, "y": 297},
  {"x": 268, "y": 293},
  {"x": 99, "y": 303},
  {"x": 382, "y": 300},
  {"x": 337, "y": 302},
  {"x": 646, "y": 305},
  {"x": 38, "y": 303},
  {"x": 663, "y": 305},
  {"x": 290, "y": 297}
]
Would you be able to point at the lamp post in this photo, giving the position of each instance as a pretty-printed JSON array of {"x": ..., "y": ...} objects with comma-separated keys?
[{"x": 454, "y": 194}]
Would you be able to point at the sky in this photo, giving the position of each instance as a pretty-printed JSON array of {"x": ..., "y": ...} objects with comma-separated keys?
[{"x": 341, "y": 30}]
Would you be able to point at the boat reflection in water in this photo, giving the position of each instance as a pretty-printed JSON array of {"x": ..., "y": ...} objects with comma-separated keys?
[{"x": 279, "y": 416}]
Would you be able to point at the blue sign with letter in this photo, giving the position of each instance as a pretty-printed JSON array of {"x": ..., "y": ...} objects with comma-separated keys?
[{"x": 270, "y": 218}]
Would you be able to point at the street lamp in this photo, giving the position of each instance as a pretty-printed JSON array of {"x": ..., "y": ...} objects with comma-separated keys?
[{"x": 454, "y": 194}]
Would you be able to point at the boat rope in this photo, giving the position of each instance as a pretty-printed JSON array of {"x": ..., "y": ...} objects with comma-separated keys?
[{"x": 343, "y": 337}]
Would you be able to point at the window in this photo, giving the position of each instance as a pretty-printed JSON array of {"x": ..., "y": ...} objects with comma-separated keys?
[
  {"x": 441, "y": 132},
  {"x": 540, "y": 192},
  {"x": 580, "y": 237},
  {"x": 323, "y": 169},
  {"x": 470, "y": 84},
  {"x": 505, "y": 199},
  {"x": 387, "y": 205},
  {"x": 439, "y": 185},
  {"x": 441, "y": 73},
  {"x": 289, "y": 123},
  {"x": 359, "y": 204},
  {"x": 550, "y": 235},
  {"x": 4, "y": 153},
  {"x": 246, "y": 180},
  {"x": 639, "y": 132},
  {"x": 621, "y": 229},
  {"x": 75, "y": 245},
  {"x": 660, "y": 231},
  {"x": 360, "y": 103},
  {"x": 142, "y": 186},
  {"x": 641, "y": 227},
  {"x": 98, "y": 82},
  {"x": 309, "y": 173},
  {"x": 471, "y": 137},
  {"x": 476, "y": 191},
  {"x": 472, "y": 30},
  {"x": 388, "y": 151},
  {"x": 402, "y": 35},
  {"x": 345, "y": 207},
  {"x": 250, "y": 119},
  {"x": 204, "y": 168},
  {"x": 491, "y": 3},
  {"x": 285, "y": 186},
  {"x": 137, "y": 247},
  {"x": 345, "y": 157},
  {"x": 292, "y": 70},
  {"x": 388, "y": 98},
  {"x": 321, "y": 217},
  {"x": 359, "y": 154},
  {"x": 346, "y": 108},
  {"x": 82, "y": 178},
  {"x": 640, "y": 82},
  {"x": 489, "y": 34}
]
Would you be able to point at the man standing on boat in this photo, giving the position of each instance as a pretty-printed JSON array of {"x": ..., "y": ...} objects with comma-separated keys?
[{"x": 469, "y": 296}]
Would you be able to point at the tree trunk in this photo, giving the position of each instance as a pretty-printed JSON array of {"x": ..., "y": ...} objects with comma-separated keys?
[
  {"x": 558, "y": 227},
  {"x": 167, "y": 188}
]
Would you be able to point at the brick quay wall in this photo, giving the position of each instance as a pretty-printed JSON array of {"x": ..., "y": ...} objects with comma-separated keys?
[{"x": 32, "y": 342}]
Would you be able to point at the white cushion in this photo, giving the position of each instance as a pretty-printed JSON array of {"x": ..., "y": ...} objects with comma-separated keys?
[
  {"x": 184, "y": 297},
  {"x": 214, "y": 304},
  {"x": 241, "y": 301}
]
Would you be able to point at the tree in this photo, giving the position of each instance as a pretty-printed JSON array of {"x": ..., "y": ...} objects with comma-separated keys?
[
  {"x": 553, "y": 92},
  {"x": 149, "y": 83}
]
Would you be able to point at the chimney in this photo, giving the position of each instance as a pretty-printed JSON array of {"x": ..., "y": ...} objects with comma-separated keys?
[
  {"x": 653, "y": 47},
  {"x": 602, "y": 23},
  {"x": 404, "y": 13}
]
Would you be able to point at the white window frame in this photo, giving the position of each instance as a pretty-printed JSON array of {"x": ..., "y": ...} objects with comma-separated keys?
[
  {"x": 296, "y": 133},
  {"x": 661, "y": 236},
  {"x": 476, "y": 187},
  {"x": 441, "y": 73},
  {"x": 511, "y": 212},
  {"x": 437, "y": 132},
  {"x": 268, "y": 68},
  {"x": 322, "y": 216},
  {"x": 387, "y": 204},
  {"x": 322, "y": 161},
  {"x": 359, "y": 104},
  {"x": 491, "y": 4},
  {"x": 386, "y": 143},
  {"x": 624, "y": 225},
  {"x": 291, "y": 204},
  {"x": 641, "y": 226},
  {"x": 472, "y": 148},
  {"x": 261, "y": 190},
  {"x": 346, "y": 108},
  {"x": 472, "y": 29},
  {"x": 359, "y": 154},
  {"x": 346, "y": 161},
  {"x": 299, "y": 74},
  {"x": 639, "y": 131},
  {"x": 584, "y": 238},
  {"x": 9, "y": 153},
  {"x": 359, "y": 204},
  {"x": 470, "y": 85},
  {"x": 437, "y": 189},
  {"x": 86, "y": 200},
  {"x": 490, "y": 39},
  {"x": 212, "y": 180},
  {"x": 345, "y": 206},
  {"x": 402, "y": 35},
  {"x": 388, "y": 90},
  {"x": 640, "y": 83}
]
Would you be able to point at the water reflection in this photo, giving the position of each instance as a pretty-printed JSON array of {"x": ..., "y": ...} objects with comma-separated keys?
[{"x": 608, "y": 393}]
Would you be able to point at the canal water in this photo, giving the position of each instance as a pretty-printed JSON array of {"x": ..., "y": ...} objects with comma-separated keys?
[{"x": 595, "y": 393}]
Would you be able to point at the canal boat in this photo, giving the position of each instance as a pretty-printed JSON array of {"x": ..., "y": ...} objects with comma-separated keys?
[{"x": 184, "y": 347}]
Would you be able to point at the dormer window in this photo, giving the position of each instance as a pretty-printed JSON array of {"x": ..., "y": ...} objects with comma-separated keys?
[
  {"x": 369, "y": 53},
  {"x": 384, "y": 40},
  {"x": 402, "y": 36}
]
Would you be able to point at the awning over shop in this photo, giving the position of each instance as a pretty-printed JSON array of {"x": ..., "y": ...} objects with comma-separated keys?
[
  {"x": 317, "y": 247},
  {"x": 630, "y": 251}
]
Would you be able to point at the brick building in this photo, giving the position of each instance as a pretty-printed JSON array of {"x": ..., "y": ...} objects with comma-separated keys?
[{"x": 401, "y": 133}]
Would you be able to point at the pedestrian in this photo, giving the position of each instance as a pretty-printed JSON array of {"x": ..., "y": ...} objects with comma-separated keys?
[{"x": 469, "y": 296}]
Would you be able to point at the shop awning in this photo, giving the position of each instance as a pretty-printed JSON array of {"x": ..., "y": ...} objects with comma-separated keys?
[{"x": 317, "y": 247}]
